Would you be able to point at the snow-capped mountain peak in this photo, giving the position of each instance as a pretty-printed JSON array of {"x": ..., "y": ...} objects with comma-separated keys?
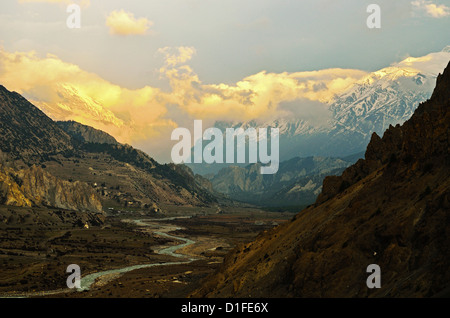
[{"x": 384, "y": 97}]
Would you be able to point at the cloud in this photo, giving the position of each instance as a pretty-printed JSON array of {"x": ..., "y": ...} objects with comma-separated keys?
[
  {"x": 64, "y": 91},
  {"x": 124, "y": 23},
  {"x": 145, "y": 117},
  {"x": 257, "y": 96},
  {"x": 175, "y": 56},
  {"x": 431, "y": 9}
]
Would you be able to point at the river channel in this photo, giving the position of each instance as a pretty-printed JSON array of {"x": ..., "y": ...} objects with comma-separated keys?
[{"x": 161, "y": 230}]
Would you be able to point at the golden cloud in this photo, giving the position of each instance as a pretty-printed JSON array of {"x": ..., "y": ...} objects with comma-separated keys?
[
  {"x": 64, "y": 91},
  {"x": 431, "y": 9},
  {"x": 124, "y": 23},
  {"x": 179, "y": 55},
  {"x": 254, "y": 97}
]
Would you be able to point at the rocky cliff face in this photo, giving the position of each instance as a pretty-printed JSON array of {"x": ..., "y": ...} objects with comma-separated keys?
[
  {"x": 36, "y": 187},
  {"x": 390, "y": 209},
  {"x": 10, "y": 191}
]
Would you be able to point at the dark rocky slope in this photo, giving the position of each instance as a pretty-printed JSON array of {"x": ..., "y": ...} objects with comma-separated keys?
[
  {"x": 67, "y": 152},
  {"x": 391, "y": 209},
  {"x": 26, "y": 132},
  {"x": 85, "y": 133}
]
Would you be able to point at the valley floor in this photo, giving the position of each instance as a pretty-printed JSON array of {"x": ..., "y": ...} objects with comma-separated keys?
[{"x": 36, "y": 246}]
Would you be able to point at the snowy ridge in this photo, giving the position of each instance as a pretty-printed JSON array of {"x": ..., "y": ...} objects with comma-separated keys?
[{"x": 385, "y": 97}]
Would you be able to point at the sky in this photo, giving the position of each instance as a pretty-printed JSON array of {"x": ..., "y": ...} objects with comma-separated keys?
[{"x": 145, "y": 67}]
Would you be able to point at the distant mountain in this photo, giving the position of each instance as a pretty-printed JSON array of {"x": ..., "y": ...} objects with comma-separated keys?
[
  {"x": 297, "y": 182},
  {"x": 385, "y": 97},
  {"x": 390, "y": 209},
  {"x": 73, "y": 159}
]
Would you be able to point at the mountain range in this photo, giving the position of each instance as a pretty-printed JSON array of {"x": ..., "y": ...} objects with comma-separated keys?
[
  {"x": 382, "y": 98},
  {"x": 297, "y": 182},
  {"x": 308, "y": 151},
  {"x": 73, "y": 166},
  {"x": 385, "y": 97},
  {"x": 390, "y": 209}
]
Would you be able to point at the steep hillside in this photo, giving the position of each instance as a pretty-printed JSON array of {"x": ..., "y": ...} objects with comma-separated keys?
[
  {"x": 26, "y": 132},
  {"x": 391, "y": 209},
  {"x": 68, "y": 152}
]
